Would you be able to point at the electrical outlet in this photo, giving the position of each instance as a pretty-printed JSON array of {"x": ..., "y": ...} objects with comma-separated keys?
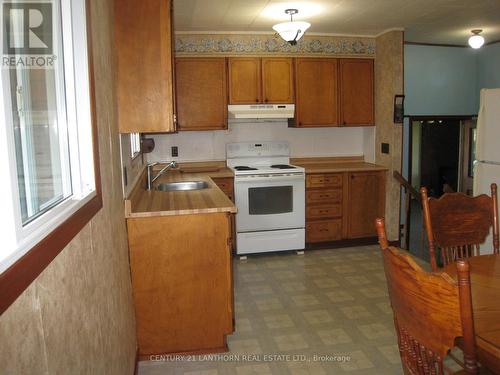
[
  {"x": 385, "y": 148},
  {"x": 175, "y": 151}
]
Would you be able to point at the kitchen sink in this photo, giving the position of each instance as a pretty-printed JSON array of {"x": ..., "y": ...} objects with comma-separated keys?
[{"x": 182, "y": 186}]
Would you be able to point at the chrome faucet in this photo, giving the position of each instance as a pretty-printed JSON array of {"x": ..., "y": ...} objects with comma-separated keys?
[{"x": 150, "y": 166}]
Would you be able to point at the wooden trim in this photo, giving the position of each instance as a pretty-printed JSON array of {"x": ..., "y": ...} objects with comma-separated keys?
[
  {"x": 136, "y": 367},
  {"x": 26, "y": 269},
  {"x": 435, "y": 44},
  {"x": 493, "y": 42}
]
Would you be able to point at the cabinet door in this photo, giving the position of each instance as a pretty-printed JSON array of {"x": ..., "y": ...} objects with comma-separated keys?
[
  {"x": 316, "y": 92},
  {"x": 144, "y": 79},
  {"x": 277, "y": 80},
  {"x": 356, "y": 92},
  {"x": 366, "y": 202},
  {"x": 201, "y": 93},
  {"x": 244, "y": 81}
]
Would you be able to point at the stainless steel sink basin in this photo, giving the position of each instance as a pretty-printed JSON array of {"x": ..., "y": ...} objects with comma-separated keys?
[{"x": 182, "y": 186}]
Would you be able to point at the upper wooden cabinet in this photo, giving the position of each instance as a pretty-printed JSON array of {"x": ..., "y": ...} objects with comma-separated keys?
[
  {"x": 356, "y": 92},
  {"x": 277, "y": 80},
  {"x": 201, "y": 90},
  {"x": 244, "y": 80},
  {"x": 260, "y": 80},
  {"x": 316, "y": 92},
  {"x": 144, "y": 78},
  {"x": 366, "y": 202}
]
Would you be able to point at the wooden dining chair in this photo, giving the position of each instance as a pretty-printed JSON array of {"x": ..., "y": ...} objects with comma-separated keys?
[
  {"x": 431, "y": 311},
  {"x": 457, "y": 224}
]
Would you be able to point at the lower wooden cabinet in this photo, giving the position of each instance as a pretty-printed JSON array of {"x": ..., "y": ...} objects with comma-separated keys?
[
  {"x": 343, "y": 205},
  {"x": 366, "y": 202},
  {"x": 226, "y": 184},
  {"x": 324, "y": 230},
  {"x": 182, "y": 282}
]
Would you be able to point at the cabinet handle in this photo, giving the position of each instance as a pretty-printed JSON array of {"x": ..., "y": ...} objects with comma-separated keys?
[
  {"x": 265, "y": 100},
  {"x": 323, "y": 230},
  {"x": 256, "y": 100}
]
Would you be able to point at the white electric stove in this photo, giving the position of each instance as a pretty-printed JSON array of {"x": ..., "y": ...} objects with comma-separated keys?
[{"x": 270, "y": 196}]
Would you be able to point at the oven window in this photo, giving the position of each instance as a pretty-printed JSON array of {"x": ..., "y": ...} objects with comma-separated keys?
[{"x": 270, "y": 200}]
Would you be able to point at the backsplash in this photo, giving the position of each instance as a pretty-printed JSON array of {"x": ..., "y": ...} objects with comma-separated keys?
[{"x": 313, "y": 142}]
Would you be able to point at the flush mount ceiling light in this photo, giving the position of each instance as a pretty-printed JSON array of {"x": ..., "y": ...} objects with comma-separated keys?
[
  {"x": 476, "y": 41},
  {"x": 291, "y": 31}
]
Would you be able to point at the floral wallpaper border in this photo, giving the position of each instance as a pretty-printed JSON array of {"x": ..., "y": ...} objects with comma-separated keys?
[{"x": 242, "y": 44}]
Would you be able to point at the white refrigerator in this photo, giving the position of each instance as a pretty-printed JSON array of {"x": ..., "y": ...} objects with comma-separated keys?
[{"x": 487, "y": 163}]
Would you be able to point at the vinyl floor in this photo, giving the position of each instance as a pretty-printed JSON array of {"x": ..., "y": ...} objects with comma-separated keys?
[{"x": 321, "y": 313}]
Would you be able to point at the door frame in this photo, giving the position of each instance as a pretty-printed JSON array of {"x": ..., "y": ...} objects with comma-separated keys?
[{"x": 411, "y": 119}]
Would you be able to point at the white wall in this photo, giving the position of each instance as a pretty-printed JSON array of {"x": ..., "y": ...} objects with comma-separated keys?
[{"x": 210, "y": 145}]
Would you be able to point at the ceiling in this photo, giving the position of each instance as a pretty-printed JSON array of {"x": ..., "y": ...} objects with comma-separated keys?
[{"x": 428, "y": 21}]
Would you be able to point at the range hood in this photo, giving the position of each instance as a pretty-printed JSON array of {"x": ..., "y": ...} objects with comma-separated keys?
[{"x": 261, "y": 111}]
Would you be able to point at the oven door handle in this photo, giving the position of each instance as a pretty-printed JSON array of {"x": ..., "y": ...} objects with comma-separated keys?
[{"x": 270, "y": 177}]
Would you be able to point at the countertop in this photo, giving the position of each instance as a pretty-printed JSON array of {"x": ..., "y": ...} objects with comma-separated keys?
[
  {"x": 144, "y": 203},
  {"x": 336, "y": 165}
]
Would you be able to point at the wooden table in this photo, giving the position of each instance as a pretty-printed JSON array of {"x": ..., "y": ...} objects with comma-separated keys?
[{"x": 485, "y": 280}]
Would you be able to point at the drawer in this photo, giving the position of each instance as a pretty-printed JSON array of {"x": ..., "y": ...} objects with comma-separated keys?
[
  {"x": 323, "y": 211},
  {"x": 323, "y": 196},
  {"x": 322, "y": 231},
  {"x": 324, "y": 180}
]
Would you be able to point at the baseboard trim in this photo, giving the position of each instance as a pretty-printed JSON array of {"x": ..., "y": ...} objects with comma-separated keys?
[{"x": 342, "y": 243}]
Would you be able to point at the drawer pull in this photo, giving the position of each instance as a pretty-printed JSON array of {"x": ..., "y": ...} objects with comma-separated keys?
[{"x": 323, "y": 230}]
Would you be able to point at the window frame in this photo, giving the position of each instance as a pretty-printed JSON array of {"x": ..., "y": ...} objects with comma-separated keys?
[
  {"x": 18, "y": 276},
  {"x": 135, "y": 149}
]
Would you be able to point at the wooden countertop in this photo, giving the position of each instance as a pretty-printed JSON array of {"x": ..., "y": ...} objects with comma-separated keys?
[
  {"x": 144, "y": 203},
  {"x": 336, "y": 164}
]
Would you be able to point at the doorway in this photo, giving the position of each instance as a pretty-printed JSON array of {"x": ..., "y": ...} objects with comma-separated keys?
[{"x": 440, "y": 157}]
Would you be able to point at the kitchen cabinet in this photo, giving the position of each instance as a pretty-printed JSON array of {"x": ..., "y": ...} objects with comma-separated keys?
[
  {"x": 343, "y": 205},
  {"x": 144, "y": 66},
  {"x": 182, "y": 282},
  {"x": 366, "y": 202},
  {"x": 356, "y": 92},
  {"x": 226, "y": 184},
  {"x": 244, "y": 80},
  {"x": 277, "y": 80},
  {"x": 316, "y": 100},
  {"x": 201, "y": 92},
  {"x": 324, "y": 207},
  {"x": 261, "y": 80}
]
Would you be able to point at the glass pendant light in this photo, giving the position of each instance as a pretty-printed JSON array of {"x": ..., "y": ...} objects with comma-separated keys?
[{"x": 291, "y": 31}]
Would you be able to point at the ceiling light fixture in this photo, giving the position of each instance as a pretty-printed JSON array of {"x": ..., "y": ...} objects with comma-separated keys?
[
  {"x": 476, "y": 41},
  {"x": 291, "y": 31}
]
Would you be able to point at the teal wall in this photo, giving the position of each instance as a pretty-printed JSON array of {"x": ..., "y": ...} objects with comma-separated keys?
[
  {"x": 488, "y": 67},
  {"x": 440, "y": 80},
  {"x": 447, "y": 80}
]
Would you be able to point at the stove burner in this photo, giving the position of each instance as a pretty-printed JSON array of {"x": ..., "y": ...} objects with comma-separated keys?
[
  {"x": 244, "y": 168},
  {"x": 282, "y": 166}
]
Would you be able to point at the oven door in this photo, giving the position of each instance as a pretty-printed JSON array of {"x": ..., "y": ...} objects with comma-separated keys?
[{"x": 270, "y": 202}]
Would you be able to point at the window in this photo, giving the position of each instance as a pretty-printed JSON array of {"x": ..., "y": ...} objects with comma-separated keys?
[
  {"x": 135, "y": 144},
  {"x": 48, "y": 160}
]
